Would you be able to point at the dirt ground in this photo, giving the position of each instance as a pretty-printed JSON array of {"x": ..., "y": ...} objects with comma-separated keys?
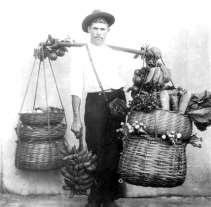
[{"x": 8, "y": 200}]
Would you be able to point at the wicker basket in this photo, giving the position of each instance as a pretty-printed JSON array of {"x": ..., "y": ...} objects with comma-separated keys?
[
  {"x": 160, "y": 121},
  {"x": 149, "y": 161},
  {"x": 42, "y": 118},
  {"x": 39, "y": 155},
  {"x": 26, "y": 132}
]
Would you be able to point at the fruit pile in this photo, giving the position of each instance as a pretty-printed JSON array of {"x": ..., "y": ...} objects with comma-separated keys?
[
  {"x": 79, "y": 167},
  {"x": 52, "y": 48},
  {"x": 149, "y": 81}
]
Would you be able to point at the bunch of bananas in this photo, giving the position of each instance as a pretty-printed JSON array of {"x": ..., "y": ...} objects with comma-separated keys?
[{"x": 79, "y": 167}]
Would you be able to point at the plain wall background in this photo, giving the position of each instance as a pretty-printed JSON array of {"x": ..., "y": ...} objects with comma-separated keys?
[{"x": 181, "y": 29}]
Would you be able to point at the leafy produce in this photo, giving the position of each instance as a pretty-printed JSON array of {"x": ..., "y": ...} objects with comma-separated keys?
[
  {"x": 144, "y": 101},
  {"x": 199, "y": 109}
]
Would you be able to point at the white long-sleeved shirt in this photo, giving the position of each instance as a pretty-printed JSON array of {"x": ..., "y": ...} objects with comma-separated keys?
[{"x": 108, "y": 63}]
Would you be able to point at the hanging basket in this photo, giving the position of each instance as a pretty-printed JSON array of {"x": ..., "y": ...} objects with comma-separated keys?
[
  {"x": 162, "y": 121},
  {"x": 39, "y": 155},
  {"x": 149, "y": 161},
  {"x": 39, "y": 133},
  {"x": 44, "y": 118}
]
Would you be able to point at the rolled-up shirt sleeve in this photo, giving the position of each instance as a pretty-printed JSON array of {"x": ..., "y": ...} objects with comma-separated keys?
[{"x": 76, "y": 73}]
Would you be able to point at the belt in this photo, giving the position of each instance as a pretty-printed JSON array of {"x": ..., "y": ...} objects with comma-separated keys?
[
  {"x": 110, "y": 90},
  {"x": 104, "y": 91}
]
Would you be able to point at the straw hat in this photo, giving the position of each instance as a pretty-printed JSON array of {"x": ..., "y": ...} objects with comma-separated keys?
[{"x": 96, "y": 14}]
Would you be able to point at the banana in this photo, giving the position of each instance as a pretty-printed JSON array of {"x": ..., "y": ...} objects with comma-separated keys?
[
  {"x": 88, "y": 157},
  {"x": 82, "y": 152},
  {"x": 166, "y": 73},
  {"x": 161, "y": 79},
  {"x": 91, "y": 167},
  {"x": 87, "y": 181},
  {"x": 80, "y": 166},
  {"x": 63, "y": 150},
  {"x": 87, "y": 164},
  {"x": 84, "y": 176},
  {"x": 84, "y": 187},
  {"x": 94, "y": 158},
  {"x": 69, "y": 183},
  {"x": 68, "y": 157},
  {"x": 66, "y": 174},
  {"x": 65, "y": 187},
  {"x": 81, "y": 172},
  {"x": 70, "y": 169},
  {"x": 156, "y": 75},
  {"x": 150, "y": 75}
]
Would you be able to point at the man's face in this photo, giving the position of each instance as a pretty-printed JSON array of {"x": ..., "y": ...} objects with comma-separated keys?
[{"x": 98, "y": 33}]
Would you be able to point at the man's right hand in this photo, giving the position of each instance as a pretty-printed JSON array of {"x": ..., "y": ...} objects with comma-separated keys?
[{"x": 76, "y": 128}]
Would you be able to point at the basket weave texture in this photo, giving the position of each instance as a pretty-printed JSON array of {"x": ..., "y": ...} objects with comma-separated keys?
[
  {"x": 160, "y": 121},
  {"x": 149, "y": 161},
  {"x": 26, "y": 132},
  {"x": 39, "y": 155},
  {"x": 41, "y": 118}
]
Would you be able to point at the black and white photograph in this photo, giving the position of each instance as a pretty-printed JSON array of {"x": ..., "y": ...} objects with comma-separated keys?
[{"x": 105, "y": 103}]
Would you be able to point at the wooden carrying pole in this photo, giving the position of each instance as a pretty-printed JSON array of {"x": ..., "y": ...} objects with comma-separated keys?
[{"x": 123, "y": 49}]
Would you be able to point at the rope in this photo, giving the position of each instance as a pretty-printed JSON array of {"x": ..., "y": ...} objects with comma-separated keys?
[
  {"x": 46, "y": 93},
  {"x": 54, "y": 77},
  {"x": 161, "y": 69},
  {"x": 28, "y": 83},
  {"x": 156, "y": 127},
  {"x": 35, "y": 96}
]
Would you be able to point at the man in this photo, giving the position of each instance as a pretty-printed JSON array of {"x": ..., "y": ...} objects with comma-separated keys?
[
  {"x": 100, "y": 127},
  {"x": 100, "y": 136}
]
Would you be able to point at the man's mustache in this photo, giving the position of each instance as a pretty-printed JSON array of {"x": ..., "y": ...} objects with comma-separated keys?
[{"x": 100, "y": 37}]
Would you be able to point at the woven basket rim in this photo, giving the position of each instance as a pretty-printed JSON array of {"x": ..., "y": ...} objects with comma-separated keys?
[
  {"x": 40, "y": 141},
  {"x": 158, "y": 139},
  {"x": 43, "y": 127},
  {"x": 38, "y": 113},
  {"x": 160, "y": 109}
]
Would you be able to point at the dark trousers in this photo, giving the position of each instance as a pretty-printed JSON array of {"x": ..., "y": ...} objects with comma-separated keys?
[{"x": 101, "y": 138}]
